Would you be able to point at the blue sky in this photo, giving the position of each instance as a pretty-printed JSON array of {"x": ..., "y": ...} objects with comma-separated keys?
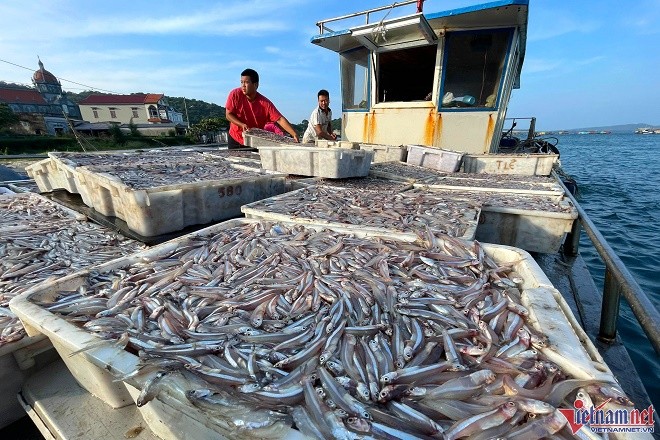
[{"x": 588, "y": 63}]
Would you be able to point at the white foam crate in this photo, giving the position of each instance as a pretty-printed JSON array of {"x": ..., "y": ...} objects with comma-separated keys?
[
  {"x": 534, "y": 231},
  {"x": 386, "y": 153},
  {"x": 436, "y": 158},
  {"x": 163, "y": 209},
  {"x": 524, "y": 164},
  {"x": 252, "y": 210},
  {"x": 332, "y": 163},
  {"x": 18, "y": 360},
  {"x": 171, "y": 416},
  {"x": 49, "y": 177}
]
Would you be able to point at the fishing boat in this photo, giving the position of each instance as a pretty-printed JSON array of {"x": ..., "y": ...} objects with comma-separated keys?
[{"x": 440, "y": 81}]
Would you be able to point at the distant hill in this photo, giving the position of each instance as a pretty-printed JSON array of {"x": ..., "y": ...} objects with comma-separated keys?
[{"x": 624, "y": 128}]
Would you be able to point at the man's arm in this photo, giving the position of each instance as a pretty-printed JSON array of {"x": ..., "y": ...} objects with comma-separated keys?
[
  {"x": 284, "y": 123},
  {"x": 332, "y": 135},
  {"x": 234, "y": 120},
  {"x": 320, "y": 133}
]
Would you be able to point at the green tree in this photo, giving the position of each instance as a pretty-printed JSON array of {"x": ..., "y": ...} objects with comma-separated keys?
[
  {"x": 210, "y": 125},
  {"x": 117, "y": 135},
  {"x": 7, "y": 116},
  {"x": 134, "y": 129}
]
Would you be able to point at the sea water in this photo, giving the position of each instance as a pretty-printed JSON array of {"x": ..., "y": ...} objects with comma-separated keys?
[{"x": 618, "y": 177}]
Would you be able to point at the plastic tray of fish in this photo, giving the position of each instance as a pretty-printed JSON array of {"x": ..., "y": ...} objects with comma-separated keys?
[
  {"x": 436, "y": 158},
  {"x": 60, "y": 170},
  {"x": 525, "y": 164},
  {"x": 157, "y": 199},
  {"x": 332, "y": 163},
  {"x": 382, "y": 212},
  {"x": 41, "y": 239},
  {"x": 465, "y": 182},
  {"x": 536, "y": 222},
  {"x": 386, "y": 153},
  {"x": 532, "y": 230},
  {"x": 224, "y": 328},
  {"x": 404, "y": 172}
]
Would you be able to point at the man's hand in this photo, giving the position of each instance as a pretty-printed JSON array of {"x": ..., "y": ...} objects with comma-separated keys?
[{"x": 295, "y": 138}]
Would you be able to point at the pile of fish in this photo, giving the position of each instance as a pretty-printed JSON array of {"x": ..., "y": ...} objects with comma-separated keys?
[
  {"x": 149, "y": 157},
  {"x": 269, "y": 136},
  {"x": 28, "y": 209},
  {"x": 365, "y": 183},
  {"x": 139, "y": 176},
  {"x": 485, "y": 199},
  {"x": 350, "y": 337},
  {"x": 400, "y": 170},
  {"x": 406, "y": 212},
  {"x": 40, "y": 241}
]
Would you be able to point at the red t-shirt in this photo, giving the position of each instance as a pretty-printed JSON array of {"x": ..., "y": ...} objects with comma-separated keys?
[{"x": 255, "y": 114}]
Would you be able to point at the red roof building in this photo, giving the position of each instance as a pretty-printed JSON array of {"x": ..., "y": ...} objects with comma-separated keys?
[{"x": 138, "y": 108}]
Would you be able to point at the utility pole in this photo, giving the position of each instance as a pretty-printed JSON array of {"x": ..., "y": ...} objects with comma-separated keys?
[{"x": 185, "y": 106}]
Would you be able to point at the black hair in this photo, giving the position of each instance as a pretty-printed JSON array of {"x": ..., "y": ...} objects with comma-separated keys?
[
  {"x": 323, "y": 92},
  {"x": 254, "y": 76}
]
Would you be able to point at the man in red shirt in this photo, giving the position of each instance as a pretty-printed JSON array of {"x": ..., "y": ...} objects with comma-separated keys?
[{"x": 247, "y": 108}]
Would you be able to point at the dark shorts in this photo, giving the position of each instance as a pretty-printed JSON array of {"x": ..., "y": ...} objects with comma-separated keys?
[{"x": 232, "y": 143}]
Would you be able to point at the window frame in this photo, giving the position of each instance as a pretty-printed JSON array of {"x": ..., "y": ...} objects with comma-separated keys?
[{"x": 342, "y": 60}]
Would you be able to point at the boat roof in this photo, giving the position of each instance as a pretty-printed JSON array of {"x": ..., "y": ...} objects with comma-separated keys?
[{"x": 497, "y": 14}]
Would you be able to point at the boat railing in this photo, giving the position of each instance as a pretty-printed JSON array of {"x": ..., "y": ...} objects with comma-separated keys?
[
  {"x": 322, "y": 24},
  {"x": 618, "y": 281}
]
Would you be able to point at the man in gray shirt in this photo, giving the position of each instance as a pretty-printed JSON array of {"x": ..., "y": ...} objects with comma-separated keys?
[{"x": 320, "y": 121}]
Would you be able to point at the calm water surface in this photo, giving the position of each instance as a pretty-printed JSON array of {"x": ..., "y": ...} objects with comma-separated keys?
[{"x": 619, "y": 183}]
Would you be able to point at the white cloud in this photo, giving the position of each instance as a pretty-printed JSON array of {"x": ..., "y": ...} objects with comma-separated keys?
[
  {"x": 558, "y": 22},
  {"x": 536, "y": 65}
]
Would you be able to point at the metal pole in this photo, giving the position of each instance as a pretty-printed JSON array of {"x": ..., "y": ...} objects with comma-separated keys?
[
  {"x": 185, "y": 106},
  {"x": 610, "y": 311}
]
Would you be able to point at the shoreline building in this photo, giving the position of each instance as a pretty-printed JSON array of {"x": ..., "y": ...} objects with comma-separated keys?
[
  {"x": 44, "y": 109},
  {"x": 149, "y": 112}
]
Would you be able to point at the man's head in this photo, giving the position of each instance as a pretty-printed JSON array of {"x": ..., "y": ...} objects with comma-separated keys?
[
  {"x": 249, "y": 82},
  {"x": 324, "y": 99}
]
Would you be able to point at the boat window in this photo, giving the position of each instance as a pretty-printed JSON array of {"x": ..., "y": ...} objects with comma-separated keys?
[
  {"x": 354, "y": 79},
  {"x": 406, "y": 74},
  {"x": 474, "y": 65}
]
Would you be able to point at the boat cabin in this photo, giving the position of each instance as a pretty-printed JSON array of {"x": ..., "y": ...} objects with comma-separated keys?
[{"x": 440, "y": 79}]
